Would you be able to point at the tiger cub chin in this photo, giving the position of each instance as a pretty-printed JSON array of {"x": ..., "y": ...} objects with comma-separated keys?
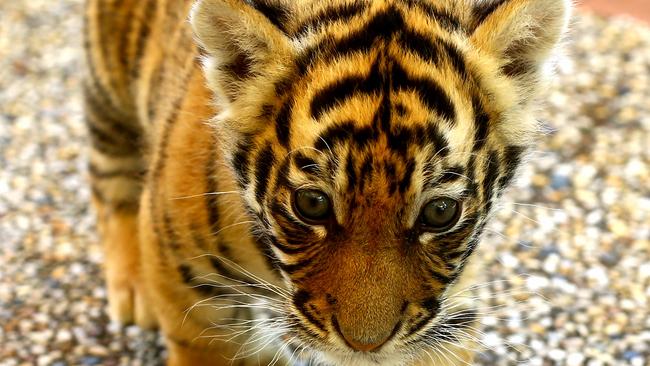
[{"x": 281, "y": 181}]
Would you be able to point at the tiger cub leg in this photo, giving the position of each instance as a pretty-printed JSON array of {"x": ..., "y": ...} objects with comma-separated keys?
[
  {"x": 191, "y": 334},
  {"x": 116, "y": 173}
]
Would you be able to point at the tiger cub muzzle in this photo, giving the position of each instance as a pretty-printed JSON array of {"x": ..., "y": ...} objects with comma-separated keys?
[{"x": 365, "y": 298}]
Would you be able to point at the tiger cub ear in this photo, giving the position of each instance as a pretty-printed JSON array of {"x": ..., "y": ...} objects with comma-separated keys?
[
  {"x": 243, "y": 39},
  {"x": 522, "y": 34}
]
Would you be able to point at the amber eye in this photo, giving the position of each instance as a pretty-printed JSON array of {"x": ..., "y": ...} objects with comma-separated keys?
[
  {"x": 311, "y": 205},
  {"x": 440, "y": 214}
]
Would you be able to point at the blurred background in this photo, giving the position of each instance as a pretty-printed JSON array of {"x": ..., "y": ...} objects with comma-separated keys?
[{"x": 567, "y": 259}]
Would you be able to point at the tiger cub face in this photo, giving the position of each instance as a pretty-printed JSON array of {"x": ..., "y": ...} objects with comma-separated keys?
[{"x": 371, "y": 140}]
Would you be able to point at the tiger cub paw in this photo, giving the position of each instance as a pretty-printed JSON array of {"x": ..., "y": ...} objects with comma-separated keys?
[
  {"x": 127, "y": 303},
  {"x": 127, "y": 300}
]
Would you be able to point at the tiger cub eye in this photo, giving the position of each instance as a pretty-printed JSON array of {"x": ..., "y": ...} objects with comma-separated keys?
[
  {"x": 440, "y": 214},
  {"x": 312, "y": 206}
]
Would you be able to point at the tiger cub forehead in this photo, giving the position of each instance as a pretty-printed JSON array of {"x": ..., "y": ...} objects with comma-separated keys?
[
  {"x": 420, "y": 80},
  {"x": 357, "y": 57},
  {"x": 387, "y": 82}
]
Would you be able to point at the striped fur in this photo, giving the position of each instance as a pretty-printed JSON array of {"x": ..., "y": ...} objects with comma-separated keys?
[{"x": 202, "y": 132}]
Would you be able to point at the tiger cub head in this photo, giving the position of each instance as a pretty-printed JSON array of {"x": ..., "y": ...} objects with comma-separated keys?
[{"x": 371, "y": 140}]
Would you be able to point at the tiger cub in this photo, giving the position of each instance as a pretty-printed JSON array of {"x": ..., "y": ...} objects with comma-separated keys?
[{"x": 281, "y": 181}]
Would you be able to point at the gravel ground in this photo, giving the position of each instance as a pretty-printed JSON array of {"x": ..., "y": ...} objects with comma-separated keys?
[{"x": 567, "y": 266}]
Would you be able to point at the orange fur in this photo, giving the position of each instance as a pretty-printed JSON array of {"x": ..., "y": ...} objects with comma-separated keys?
[{"x": 198, "y": 132}]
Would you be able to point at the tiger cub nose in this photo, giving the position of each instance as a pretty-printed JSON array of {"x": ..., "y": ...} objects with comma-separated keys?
[{"x": 362, "y": 344}]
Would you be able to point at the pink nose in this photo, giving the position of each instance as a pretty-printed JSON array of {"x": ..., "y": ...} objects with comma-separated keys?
[
  {"x": 358, "y": 344},
  {"x": 362, "y": 346}
]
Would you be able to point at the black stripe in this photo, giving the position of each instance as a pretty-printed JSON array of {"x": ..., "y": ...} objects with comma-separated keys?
[
  {"x": 453, "y": 255},
  {"x": 283, "y": 85},
  {"x": 282, "y": 122},
  {"x": 333, "y": 135},
  {"x": 450, "y": 174},
  {"x": 218, "y": 266},
  {"x": 300, "y": 300},
  {"x": 108, "y": 144},
  {"x": 106, "y": 25},
  {"x": 211, "y": 199},
  {"x": 511, "y": 160},
  {"x": 171, "y": 236},
  {"x": 431, "y": 306},
  {"x": 401, "y": 137},
  {"x": 107, "y": 117},
  {"x": 461, "y": 319},
  {"x": 441, "y": 16},
  {"x": 344, "y": 88},
  {"x": 518, "y": 66},
  {"x": 330, "y": 15},
  {"x": 153, "y": 97},
  {"x": 186, "y": 273},
  {"x": 483, "y": 9},
  {"x": 271, "y": 260},
  {"x": 116, "y": 134},
  {"x": 334, "y": 93},
  {"x": 123, "y": 205},
  {"x": 263, "y": 166},
  {"x": 453, "y": 239},
  {"x": 420, "y": 45},
  {"x": 267, "y": 111},
  {"x": 282, "y": 176},
  {"x": 405, "y": 183},
  {"x": 93, "y": 81},
  {"x": 123, "y": 45},
  {"x": 296, "y": 267},
  {"x": 401, "y": 110},
  {"x": 491, "y": 174},
  {"x": 287, "y": 249},
  {"x": 443, "y": 279},
  {"x": 481, "y": 124},
  {"x": 240, "y": 160},
  {"x": 391, "y": 175},
  {"x": 197, "y": 237},
  {"x": 382, "y": 26},
  {"x": 280, "y": 211},
  {"x": 297, "y": 235},
  {"x": 277, "y": 14},
  {"x": 161, "y": 159},
  {"x": 143, "y": 35},
  {"x": 306, "y": 164},
  {"x": 431, "y": 94},
  {"x": 169, "y": 122},
  {"x": 439, "y": 141},
  {"x": 363, "y": 136},
  {"x": 472, "y": 186},
  {"x": 473, "y": 243},
  {"x": 456, "y": 57},
  {"x": 384, "y": 114},
  {"x": 204, "y": 288}
]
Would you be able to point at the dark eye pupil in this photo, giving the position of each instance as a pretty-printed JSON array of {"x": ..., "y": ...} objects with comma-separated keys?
[
  {"x": 312, "y": 205},
  {"x": 440, "y": 213}
]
